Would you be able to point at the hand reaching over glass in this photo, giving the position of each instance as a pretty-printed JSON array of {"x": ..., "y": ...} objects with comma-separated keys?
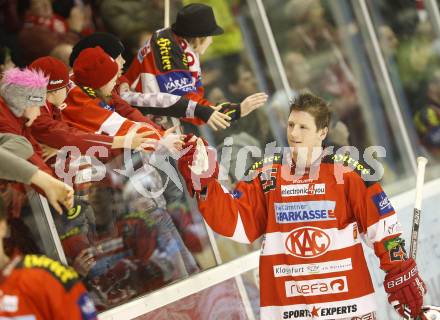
[
  {"x": 252, "y": 103},
  {"x": 57, "y": 192},
  {"x": 218, "y": 120}
]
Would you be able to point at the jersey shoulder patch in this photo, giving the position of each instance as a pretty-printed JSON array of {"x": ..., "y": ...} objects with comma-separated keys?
[
  {"x": 267, "y": 171},
  {"x": 67, "y": 276},
  {"x": 360, "y": 167},
  {"x": 266, "y": 161}
]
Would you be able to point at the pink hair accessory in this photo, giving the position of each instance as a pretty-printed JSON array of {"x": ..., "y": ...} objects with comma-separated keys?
[{"x": 25, "y": 78}]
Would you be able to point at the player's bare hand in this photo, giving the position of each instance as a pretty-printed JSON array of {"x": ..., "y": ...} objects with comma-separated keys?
[
  {"x": 252, "y": 103},
  {"x": 218, "y": 120}
]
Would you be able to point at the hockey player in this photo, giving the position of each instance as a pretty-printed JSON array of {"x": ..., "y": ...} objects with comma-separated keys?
[
  {"x": 169, "y": 62},
  {"x": 37, "y": 287},
  {"x": 312, "y": 263}
]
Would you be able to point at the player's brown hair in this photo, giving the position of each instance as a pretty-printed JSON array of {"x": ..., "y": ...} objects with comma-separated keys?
[{"x": 315, "y": 106}]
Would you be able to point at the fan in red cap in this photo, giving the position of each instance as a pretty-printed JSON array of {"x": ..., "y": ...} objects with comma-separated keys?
[
  {"x": 90, "y": 106},
  {"x": 95, "y": 69},
  {"x": 58, "y": 75}
]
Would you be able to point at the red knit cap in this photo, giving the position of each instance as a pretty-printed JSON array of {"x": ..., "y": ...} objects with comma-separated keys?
[
  {"x": 55, "y": 69},
  {"x": 94, "y": 68}
]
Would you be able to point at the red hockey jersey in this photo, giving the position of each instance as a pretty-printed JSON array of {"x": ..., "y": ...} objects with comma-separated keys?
[
  {"x": 37, "y": 287},
  {"x": 312, "y": 263}
]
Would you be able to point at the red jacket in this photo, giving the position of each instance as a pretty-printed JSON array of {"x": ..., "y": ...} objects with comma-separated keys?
[
  {"x": 311, "y": 261},
  {"x": 40, "y": 288},
  {"x": 87, "y": 112},
  {"x": 9, "y": 123},
  {"x": 50, "y": 130}
]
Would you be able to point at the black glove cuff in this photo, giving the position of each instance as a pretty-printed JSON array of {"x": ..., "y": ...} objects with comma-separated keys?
[
  {"x": 231, "y": 109},
  {"x": 203, "y": 112}
]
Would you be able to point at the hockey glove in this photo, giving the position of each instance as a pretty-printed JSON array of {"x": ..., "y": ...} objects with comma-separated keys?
[
  {"x": 198, "y": 165},
  {"x": 405, "y": 288}
]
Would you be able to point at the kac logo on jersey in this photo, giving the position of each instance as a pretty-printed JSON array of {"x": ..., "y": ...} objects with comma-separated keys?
[
  {"x": 307, "y": 242},
  {"x": 294, "y": 190},
  {"x": 382, "y": 203}
]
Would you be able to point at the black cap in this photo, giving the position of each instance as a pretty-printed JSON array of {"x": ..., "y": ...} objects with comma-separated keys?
[
  {"x": 108, "y": 42},
  {"x": 196, "y": 20}
]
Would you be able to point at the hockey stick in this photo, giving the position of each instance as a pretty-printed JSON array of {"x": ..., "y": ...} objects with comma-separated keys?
[{"x": 421, "y": 165}]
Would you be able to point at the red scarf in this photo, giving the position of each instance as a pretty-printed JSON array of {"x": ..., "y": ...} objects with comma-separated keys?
[{"x": 55, "y": 23}]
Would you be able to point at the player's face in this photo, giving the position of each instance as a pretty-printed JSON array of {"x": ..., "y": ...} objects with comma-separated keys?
[{"x": 302, "y": 131}]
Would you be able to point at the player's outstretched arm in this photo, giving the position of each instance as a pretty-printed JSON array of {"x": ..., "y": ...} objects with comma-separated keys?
[{"x": 241, "y": 214}]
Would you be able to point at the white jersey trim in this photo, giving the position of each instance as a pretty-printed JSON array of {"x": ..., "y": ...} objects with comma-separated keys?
[
  {"x": 239, "y": 233},
  {"x": 112, "y": 124},
  {"x": 384, "y": 228}
]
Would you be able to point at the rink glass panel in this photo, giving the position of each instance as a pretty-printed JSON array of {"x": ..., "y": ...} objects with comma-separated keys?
[
  {"x": 410, "y": 44},
  {"x": 221, "y": 301},
  {"x": 323, "y": 50},
  {"x": 130, "y": 231},
  {"x": 29, "y": 230}
]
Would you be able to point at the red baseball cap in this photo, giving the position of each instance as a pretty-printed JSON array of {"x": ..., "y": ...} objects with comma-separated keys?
[
  {"x": 94, "y": 68},
  {"x": 53, "y": 68}
]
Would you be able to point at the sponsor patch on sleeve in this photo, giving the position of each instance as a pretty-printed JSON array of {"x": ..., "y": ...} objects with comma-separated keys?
[
  {"x": 176, "y": 82},
  {"x": 88, "y": 311},
  {"x": 393, "y": 243},
  {"x": 382, "y": 203},
  {"x": 236, "y": 194}
]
